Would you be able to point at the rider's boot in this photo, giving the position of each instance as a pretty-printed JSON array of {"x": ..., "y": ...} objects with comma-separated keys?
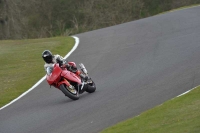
[
  {"x": 84, "y": 77},
  {"x": 78, "y": 72}
]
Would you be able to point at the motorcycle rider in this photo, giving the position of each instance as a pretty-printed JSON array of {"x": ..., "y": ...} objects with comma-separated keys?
[{"x": 50, "y": 59}]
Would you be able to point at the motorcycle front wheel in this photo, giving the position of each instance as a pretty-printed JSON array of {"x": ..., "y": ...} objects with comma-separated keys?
[{"x": 71, "y": 93}]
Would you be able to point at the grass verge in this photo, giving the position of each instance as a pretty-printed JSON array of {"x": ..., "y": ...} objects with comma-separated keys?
[
  {"x": 22, "y": 64},
  {"x": 179, "y": 115}
]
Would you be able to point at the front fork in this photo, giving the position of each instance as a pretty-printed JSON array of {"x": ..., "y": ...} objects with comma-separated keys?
[{"x": 64, "y": 82}]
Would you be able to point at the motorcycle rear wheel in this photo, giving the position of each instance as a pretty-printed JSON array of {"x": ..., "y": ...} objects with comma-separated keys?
[
  {"x": 67, "y": 91},
  {"x": 91, "y": 87}
]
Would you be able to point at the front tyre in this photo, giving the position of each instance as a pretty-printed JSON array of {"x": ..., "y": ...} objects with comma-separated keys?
[
  {"x": 91, "y": 86},
  {"x": 71, "y": 93}
]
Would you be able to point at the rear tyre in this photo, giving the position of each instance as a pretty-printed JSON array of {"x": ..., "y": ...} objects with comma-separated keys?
[
  {"x": 71, "y": 93},
  {"x": 91, "y": 87}
]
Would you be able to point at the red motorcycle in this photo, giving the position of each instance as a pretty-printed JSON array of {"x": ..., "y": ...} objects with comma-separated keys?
[{"x": 68, "y": 82}]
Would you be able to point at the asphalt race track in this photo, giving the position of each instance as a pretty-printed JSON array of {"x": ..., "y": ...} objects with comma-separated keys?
[{"x": 136, "y": 66}]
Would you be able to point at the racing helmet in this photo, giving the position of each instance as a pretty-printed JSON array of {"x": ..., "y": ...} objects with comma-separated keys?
[{"x": 47, "y": 56}]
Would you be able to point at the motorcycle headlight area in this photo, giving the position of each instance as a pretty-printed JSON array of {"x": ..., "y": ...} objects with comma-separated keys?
[{"x": 49, "y": 70}]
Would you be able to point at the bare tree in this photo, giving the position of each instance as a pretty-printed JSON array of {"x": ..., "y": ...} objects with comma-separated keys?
[{"x": 45, "y": 18}]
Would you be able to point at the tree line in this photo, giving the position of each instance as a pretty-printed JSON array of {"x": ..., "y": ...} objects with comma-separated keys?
[{"x": 22, "y": 19}]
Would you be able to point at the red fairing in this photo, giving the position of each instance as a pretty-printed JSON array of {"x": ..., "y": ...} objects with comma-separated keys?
[
  {"x": 70, "y": 76},
  {"x": 61, "y": 76},
  {"x": 55, "y": 76}
]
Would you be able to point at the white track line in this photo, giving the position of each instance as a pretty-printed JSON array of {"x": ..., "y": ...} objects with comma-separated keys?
[
  {"x": 187, "y": 91},
  {"x": 42, "y": 79}
]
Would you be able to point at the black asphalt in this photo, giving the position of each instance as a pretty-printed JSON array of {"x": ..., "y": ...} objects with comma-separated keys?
[{"x": 136, "y": 66}]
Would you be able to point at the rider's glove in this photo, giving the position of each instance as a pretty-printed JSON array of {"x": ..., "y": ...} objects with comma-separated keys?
[{"x": 67, "y": 66}]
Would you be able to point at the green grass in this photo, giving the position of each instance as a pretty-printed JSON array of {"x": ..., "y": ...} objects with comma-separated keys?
[
  {"x": 22, "y": 64},
  {"x": 179, "y": 115}
]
